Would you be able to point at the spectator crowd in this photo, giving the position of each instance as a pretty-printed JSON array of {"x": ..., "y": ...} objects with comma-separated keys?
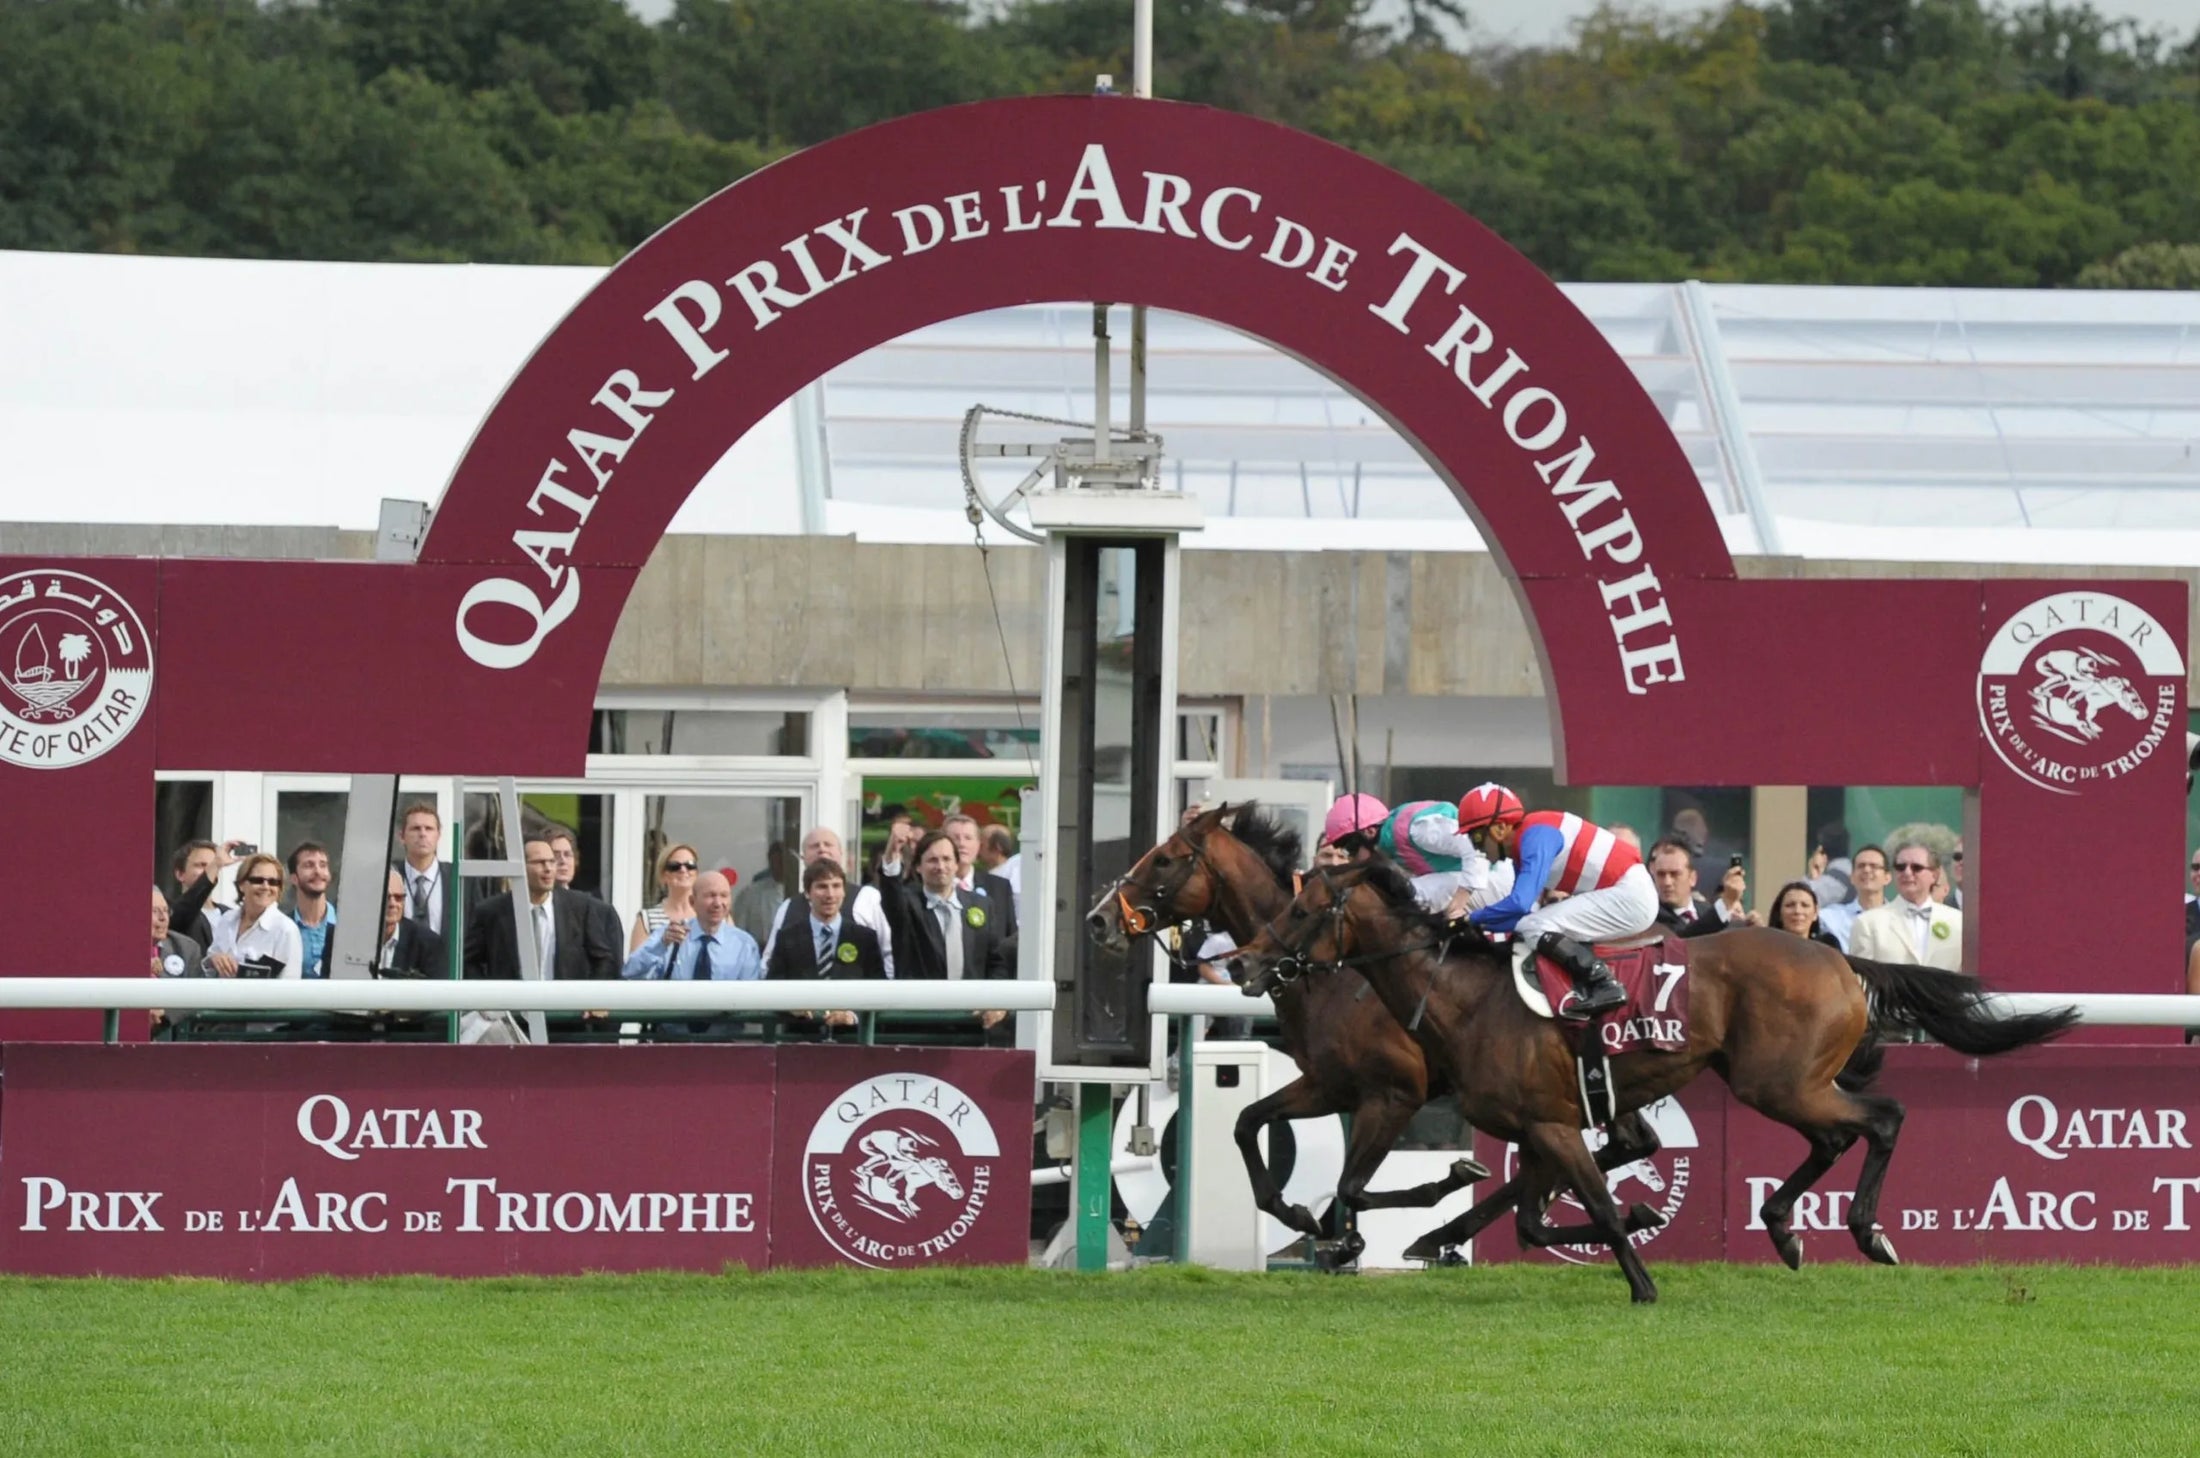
[{"x": 937, "y": 904}]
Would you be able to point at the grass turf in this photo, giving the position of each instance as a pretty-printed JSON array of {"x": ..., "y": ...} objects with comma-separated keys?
[{"x": 1519, "y": 1359}]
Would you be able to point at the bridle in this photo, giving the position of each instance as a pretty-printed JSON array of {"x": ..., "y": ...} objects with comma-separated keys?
[
  {"x": 1143, "y": 920},
  {"x": 1294, "y": 963}
]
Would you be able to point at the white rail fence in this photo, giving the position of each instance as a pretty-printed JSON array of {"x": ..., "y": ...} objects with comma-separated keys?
[{"x": 224, "y": 994}]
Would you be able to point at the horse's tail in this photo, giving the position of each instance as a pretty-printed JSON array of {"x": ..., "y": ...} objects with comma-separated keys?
[{"x": 1952, "y": 1007}]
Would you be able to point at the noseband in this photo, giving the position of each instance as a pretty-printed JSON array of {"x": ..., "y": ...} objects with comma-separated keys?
[{"x": 1139, "y": 920}]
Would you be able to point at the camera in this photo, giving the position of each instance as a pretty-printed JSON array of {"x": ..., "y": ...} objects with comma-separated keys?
[
  {"x": 244, "y": 848},
  {"x": 1734, "y": 862}
]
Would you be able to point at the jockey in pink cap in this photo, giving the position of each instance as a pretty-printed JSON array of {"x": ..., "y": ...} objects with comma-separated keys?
[
  {"x": 1609, "y": 893},
  {"x": 1449, "y": 873}
]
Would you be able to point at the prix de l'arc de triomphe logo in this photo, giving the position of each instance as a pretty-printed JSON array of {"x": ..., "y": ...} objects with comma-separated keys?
[
  {"x": 2079, "y": 687},
  {"x": 76, "y": 669},
  {"x": 898, "y": 1168}
]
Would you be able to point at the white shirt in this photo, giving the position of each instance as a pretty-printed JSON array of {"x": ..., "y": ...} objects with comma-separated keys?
[
  {"x": 433, "y": 876},
  {"x": 1012, "y": 871},
  {"x": 866, "y": 911},
  {"x": 541, "y": 917},
  {"x": 273, "y": 935}
]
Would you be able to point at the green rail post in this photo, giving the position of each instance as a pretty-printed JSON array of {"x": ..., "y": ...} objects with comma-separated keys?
[
  {"x": 111, "y": 1025},
  {"x": 1180, "y": 1183},
  {"x": 1095, "y": 1180}
]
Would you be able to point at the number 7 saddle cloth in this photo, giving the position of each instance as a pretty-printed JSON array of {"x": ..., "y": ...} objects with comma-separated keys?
[{"x": 1656, "y": 979}]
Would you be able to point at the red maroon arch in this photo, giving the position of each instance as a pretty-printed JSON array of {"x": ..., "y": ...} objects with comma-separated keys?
[{"x": 1663, "y": 665}]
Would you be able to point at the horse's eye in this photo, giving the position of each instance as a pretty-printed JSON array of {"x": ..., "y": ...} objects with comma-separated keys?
[{"x": 1159, "y": 860}]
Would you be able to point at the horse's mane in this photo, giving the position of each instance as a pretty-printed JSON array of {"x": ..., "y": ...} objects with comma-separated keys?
[
  {"x": 1398, "y": 896},
  {"x": 1276, "y": 845}
]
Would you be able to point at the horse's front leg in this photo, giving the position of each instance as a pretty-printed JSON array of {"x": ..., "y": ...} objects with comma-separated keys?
[
  {"x": 1560, "y": 1148},
  {"x": 1301, "y": 1098},
  {"x": 1632, "y": 1139}
]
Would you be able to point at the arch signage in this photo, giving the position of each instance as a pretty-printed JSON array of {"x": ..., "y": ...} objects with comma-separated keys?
[{"x": 1664, "y": 665}]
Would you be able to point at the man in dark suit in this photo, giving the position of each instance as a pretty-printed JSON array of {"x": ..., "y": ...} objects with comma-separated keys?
[
  {"x": 1673, "y": 872},
  {"x": 976, "y": 880},
  {"x": 408, "y": 949},
  {"x": 825, "y": 941},
  {"x": 431, "y": 888},
  {"x": 566, "y": 847},
  {"x": 942, "y": 932},
  {"x": 573, "y": 941}
]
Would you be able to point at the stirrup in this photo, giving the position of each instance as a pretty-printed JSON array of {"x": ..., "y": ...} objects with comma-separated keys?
[{"x": 1584, "y": 1003}]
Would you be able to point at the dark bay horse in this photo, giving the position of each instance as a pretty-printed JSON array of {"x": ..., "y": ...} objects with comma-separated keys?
[
  {"x": 1784, "y": 1020},
  {"x": 1353, "y": 1056}
]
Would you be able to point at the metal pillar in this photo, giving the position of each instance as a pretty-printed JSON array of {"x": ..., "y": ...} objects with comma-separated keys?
[{"x": 1095, "y": 1174}]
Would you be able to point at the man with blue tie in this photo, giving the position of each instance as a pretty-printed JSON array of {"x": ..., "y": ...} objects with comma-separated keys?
[{"x": 708, "y": 948}]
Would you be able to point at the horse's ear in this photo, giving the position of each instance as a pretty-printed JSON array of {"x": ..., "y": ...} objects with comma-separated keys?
[{"x": 1208, "y": 819}]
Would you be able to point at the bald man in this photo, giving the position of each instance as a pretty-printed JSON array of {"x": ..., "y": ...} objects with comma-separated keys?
[{"x": 865, "y": 909}]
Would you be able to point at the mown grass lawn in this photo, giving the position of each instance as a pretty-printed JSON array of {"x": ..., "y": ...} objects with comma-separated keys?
[{"x": 1528, "y": 1360}]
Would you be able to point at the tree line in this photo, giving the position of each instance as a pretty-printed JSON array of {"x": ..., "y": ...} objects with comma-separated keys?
[{"x": 1826, "y": 141}]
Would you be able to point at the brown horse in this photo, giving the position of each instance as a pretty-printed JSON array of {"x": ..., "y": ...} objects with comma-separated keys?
[
  {"x": 1786, "y": 1021},
  {"x": 1353, "y": 1056}
]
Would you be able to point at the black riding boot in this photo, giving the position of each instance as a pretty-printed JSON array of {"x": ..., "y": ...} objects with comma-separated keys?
[{"x": 1595, "y": 989}]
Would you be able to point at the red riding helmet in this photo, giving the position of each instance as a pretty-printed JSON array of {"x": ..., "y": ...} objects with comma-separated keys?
[{"x": 1488, "y": 804}]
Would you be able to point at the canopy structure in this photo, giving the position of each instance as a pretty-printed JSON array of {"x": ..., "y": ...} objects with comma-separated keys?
[{"x": 1874, "y": 424}]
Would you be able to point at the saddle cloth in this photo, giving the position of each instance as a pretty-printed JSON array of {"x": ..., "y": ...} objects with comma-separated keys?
[{"x": 1656, "y": 979}]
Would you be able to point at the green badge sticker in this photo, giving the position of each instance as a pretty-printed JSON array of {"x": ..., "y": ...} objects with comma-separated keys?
[
  {"x": 1940, "y": 931},
  {"x": 847, "y": 953},
  {"x": 975, "y": 916}
]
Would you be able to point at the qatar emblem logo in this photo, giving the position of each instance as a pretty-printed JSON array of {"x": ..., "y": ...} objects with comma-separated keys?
[
  {"x": 898, "y": 1168},
  {"x": 76, "y": 669},
  {"x": 2077, "y": 688},
  {"x": 1659, "y": 1180}
]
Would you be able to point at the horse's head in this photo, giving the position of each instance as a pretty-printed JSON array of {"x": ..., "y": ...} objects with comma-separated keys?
[
  {"x": 935, "y": 1170},
  {"x": 2127, "y": 698},
  {"x": 1318, "y": 929},
  {"x": 1172, "y": 883}
]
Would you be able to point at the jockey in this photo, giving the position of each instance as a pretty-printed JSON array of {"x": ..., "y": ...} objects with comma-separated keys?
[
  {"x": 1609, "y": 894},
  {"x": 1449, "y": 871}
]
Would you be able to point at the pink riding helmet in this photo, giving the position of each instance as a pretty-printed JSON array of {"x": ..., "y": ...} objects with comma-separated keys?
[{"x": 1351, "y": 815}]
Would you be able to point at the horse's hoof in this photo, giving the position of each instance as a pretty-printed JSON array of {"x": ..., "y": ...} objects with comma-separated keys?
[
  {"x": 1301, "y": 1219},
  {"x": 1342, "y": 1258},
  {"x": 1645, "y": 1297},
  {"x": 1425, "y": 1250},
  {"x": 1879, "y": 1248},
  {"x": 1642, "y": 1217},
  {"x": 1452, "y": 1256},
  {"x": 1790, "y": 1247},
  {"x": 1467, "y": 1171}
]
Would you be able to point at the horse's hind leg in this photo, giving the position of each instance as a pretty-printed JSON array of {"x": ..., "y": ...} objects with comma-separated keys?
[
  {"x": 1632, "y": 1139},
  {"x": 1832, "y": 1119},
  {"x": 1299, "y": 1099},
  {"x": 1386, "y": 1118},
  {"x": 1560, "y": 1145},
  {"x": 1883, "y": 1124}
]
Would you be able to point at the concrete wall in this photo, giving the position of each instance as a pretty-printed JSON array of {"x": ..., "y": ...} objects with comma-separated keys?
[{"x": 831, "y": 612}]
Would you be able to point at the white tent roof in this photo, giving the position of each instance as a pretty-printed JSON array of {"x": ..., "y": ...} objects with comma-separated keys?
[{"x": 1896, "y": 424}]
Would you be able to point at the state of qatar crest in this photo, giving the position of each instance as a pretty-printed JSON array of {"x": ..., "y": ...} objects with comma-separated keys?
[
  {"x": 76, "y": 669},
  {"x": 2079, "y": 687}
]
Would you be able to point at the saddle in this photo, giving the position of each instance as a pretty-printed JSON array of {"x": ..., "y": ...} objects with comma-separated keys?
[{"x": 1655, "y": 976}]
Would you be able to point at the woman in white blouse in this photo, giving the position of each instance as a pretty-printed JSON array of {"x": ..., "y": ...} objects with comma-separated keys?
[
  {"x": 253, "y": 930},
  {"x": 676, "y": 870}
]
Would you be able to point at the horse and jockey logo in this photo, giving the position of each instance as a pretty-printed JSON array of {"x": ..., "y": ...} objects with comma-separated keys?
[
  {"x": 1660, "y": 1181},
  {"x": 76, "y": 669},
  {"x": 2079, "y": 687},
  {"x": 898, "y": 1169}
]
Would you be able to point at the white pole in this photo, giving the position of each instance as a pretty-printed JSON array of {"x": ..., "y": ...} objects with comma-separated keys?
[
  {"x": 441, "y": 994},
  {"x": 1103, "y": 389},
  {"x": 1142, "y": 87}
]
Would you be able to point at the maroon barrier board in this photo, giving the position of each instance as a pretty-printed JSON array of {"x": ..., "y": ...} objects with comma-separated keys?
[
  {"x": 274, "y": 1162},
  {"x": 2070, "y": 1153}
]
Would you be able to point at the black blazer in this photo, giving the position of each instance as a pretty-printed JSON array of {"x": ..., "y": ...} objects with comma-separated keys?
[
  {"x": 1000, "y": 899},
  {"x": 1705, "y": 923},
  {"x": 419, "y": 953},
  {"x": 583, "y": 949},
  {"x": 984, "y": 952},
  {"x": 794, "y": 954}
]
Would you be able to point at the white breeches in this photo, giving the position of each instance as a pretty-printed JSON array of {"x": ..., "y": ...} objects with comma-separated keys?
[{"x": 1626, "y": 908}]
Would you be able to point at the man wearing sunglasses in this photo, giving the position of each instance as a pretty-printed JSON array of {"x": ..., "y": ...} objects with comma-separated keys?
[{"x": 1913, "y": 928}]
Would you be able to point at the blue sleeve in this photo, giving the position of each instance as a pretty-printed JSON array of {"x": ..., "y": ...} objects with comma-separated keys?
[
  {"x": 747, "y": 962},
  {"x": 649, "y": 962},
  {"x": 1537, "y": 849}
]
